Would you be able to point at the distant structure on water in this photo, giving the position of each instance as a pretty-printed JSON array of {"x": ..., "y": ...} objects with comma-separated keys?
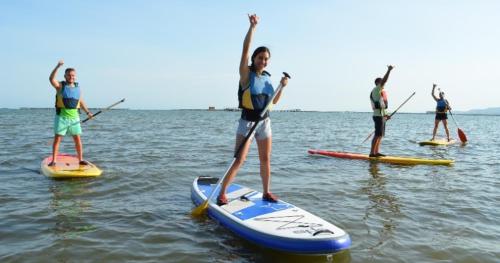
[
  {"x": 238, "y": 109},
  {"x": 232, "y": 109}
]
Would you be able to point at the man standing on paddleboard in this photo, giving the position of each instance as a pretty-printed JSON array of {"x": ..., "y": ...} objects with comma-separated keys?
[
  {"x": 442, "y": 108},
  {"x": 254, "y": 93},
  {"x": 67, "y": 119},
  {"x": 379, "y": 103}
]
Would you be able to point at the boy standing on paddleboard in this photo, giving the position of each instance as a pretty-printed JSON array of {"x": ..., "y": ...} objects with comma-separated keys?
[
  {"x": 379, "y": 103},
  {"x": 67, "y": 119}
]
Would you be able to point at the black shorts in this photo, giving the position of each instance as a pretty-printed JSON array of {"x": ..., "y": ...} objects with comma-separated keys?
[
  {"x": 379, "y": 125},
  {"x": 441, "y": 116}
]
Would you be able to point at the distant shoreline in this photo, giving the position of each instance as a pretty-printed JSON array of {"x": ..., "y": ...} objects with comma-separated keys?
[{"x": 233, "y": 110}]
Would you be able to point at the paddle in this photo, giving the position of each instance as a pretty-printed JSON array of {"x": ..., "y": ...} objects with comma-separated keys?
[
  {"x": 461, "y": 133},
  {"x": 100, "y": 111},
  {"x": 200, "y": 210},
  {"x": 370, "y": 135},
  {"x": 93, "y": 115}
]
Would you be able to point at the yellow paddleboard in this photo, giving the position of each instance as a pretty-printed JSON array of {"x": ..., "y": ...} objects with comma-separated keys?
[
  {"x": 68, "y": 166},
  {"x": 438, "y": 142},
  {"x": 410, "y": 160}
]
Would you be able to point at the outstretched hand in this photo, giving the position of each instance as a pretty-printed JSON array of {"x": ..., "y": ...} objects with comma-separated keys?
[
  {"x": 60, "y": 63},
  {"x": 254, "y": 19},
  {"x": 284, "y": 81},
  {"x": 390, "y": 67}
]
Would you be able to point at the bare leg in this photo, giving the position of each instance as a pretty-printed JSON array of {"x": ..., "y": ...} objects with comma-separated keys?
[
  {"x": 436, "y": 124},
  {"x": 445, "y": 123},
  {"x": 375, "y": 144},
  {"x": 265, "y": 146},
  {"x": 374, "y": 140},
  {"x": 78, "y": 147},
  {"x": 237, "y": 164},
  {"x": 55, "y": 146}
]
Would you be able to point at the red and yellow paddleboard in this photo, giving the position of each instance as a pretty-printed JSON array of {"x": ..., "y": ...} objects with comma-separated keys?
[
  {"x": 68, "y": 166},
  {"x": 387, "y": 159}
]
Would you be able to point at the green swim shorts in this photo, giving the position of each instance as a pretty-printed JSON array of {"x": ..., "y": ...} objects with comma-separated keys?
[{"x": 64, "y": 125}]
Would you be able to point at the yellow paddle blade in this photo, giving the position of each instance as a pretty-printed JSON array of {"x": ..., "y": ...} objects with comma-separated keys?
[{"x": 200, "y": 210}]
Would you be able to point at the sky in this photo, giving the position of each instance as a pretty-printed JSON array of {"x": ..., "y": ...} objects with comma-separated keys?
[{"x": 185, "y": 54}]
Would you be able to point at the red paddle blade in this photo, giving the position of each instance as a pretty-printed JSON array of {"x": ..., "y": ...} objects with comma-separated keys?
[{"x": 461, "y": 135}]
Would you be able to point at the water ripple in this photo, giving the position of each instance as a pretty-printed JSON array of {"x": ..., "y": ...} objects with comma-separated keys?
[{"x": 138, "y": 210}]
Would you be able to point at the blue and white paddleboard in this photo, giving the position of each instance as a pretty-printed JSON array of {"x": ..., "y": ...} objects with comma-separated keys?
[{"x": 281, "y": 226}]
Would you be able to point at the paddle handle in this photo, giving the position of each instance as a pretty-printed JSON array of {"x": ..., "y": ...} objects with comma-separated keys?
[{"x": 100, "y": 111}]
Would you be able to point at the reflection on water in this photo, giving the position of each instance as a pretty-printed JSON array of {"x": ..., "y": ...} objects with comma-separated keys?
[
  {"x": 383, "y": 208},
  {"x": 68, "y": 206}
]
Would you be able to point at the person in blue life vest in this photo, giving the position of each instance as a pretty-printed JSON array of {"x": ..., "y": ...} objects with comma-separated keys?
[
  {"x": 442, "y": 107},
  {"x": 378, "y": 99},
  {"x": 254, "y": 92},
  {"x": 67, "y": 120}
]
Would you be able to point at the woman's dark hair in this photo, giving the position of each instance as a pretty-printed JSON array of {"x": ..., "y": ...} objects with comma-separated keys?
[
  {"x": 378, "y": 81},
  {"x": 256, "y": 52},
  {"x": 68, "y": 70}
]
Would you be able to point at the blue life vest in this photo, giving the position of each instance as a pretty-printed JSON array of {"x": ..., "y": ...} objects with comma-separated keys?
[
  {"x": 254, "y": 98},
  {"x": 67, "y": 97},
  {"x": 441, "y": 106}
]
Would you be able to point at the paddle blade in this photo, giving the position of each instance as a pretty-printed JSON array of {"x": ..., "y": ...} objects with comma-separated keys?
[
  {"x": 461, "y": 135},
  {"x": 200, "y": 210}
]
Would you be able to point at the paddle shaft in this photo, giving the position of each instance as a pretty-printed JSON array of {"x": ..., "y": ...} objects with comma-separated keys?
[
  {"x": 370, "y": 135},
  {"x": 461, "y": 133},
  {"x": 453, "y": 118},
  {"x": 402, "y": 104},
  {"x": 93, "y": 115},
  {"x": 247, "y": 137},
  {"x": 105, "y": 109}
]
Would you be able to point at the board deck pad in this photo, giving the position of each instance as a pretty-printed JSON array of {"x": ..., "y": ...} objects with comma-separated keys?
[
  {"x": 279, "y": 225},
  {"x": 68, "y": 166}
]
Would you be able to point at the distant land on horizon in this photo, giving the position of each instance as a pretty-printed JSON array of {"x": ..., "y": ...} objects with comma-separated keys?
[{"x": 487, "y": 111}]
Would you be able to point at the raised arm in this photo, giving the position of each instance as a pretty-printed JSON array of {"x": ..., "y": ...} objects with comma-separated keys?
[
  {"x": 53, "y": 74},
  {"x": 245, "y": 54},
  {"x": 386, "y": 76},
  {"x": 433, "y": 95}
]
